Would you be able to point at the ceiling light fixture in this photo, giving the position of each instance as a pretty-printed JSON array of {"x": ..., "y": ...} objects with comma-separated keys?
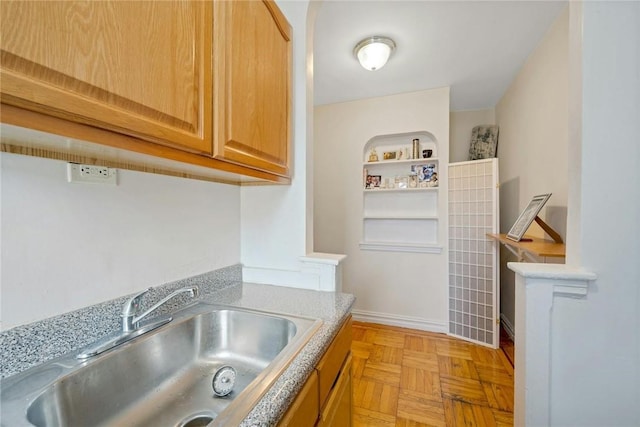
[{"x": 373, "y": 52}]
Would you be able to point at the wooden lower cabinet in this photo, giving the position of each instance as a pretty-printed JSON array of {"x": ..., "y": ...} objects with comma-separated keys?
[
  {"x": 337, "y": 410},
  {"x": 328, "y": 389},
  {"x": 304, "y": 411}
]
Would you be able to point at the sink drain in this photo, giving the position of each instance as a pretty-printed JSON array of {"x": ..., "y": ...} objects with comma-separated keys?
[
  {"x": 223, "y": 381},
  {"x": 198, "y": 420}
]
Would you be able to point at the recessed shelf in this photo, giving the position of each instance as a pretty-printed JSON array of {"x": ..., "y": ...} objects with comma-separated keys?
[
  {"x": 400, "y": 247},
  {"x": 398, "y": 190},
  {"x": 397, "y": 162},
  {"x": 416, "y": 217},
  {"x": 401, "y": 219}
]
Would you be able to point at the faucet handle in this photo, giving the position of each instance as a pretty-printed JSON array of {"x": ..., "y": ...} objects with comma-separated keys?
[
  {"x": 195, "y": 291},
  {"x": 130, "y": 308}
]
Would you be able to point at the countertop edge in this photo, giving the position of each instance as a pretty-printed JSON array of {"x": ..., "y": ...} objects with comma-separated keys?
[
  {"x": 331, "y": 307},
  {"x": 294, "y": 381}
]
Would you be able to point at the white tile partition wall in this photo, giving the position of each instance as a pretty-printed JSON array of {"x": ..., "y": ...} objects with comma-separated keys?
[{"x": 473, "y": 272}]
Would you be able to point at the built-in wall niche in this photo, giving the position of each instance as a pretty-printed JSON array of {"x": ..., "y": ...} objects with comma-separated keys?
[
  {"x": 400, "y": 193},
  {"x": 406, "y": 204}
]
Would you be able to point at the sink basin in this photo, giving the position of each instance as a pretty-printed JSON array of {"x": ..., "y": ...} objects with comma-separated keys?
[{"x": 163, "y": 378}]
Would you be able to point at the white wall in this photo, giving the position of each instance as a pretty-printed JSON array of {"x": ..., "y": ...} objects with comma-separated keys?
[
  {"x": 533, "y": 116},
  {"x": 67, "y": 246},
  {"x": 462, "y": 123},
  {"x": 596, "y": 346},
  {"x": 151, "y": 229},
  {"x": 394, "y": 286},
  {"x": 277, "y": 221}
]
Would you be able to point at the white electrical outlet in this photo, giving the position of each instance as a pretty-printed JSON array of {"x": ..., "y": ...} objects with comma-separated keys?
[{"x": 91, "y": 173}]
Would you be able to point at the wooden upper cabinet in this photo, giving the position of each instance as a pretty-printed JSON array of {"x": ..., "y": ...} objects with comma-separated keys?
[
  {"x": 139, "y": 68},
  {"x": 252, "y": 85},
  {"x": 208, "y": 80}
]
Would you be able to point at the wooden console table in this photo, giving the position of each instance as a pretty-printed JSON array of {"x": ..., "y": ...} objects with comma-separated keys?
[{"x": 532, "y": 248}]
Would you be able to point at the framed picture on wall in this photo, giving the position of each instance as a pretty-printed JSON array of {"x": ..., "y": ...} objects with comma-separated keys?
[{"x": 527, "y": 216}]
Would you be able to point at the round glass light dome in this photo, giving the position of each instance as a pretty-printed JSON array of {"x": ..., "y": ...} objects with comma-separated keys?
[{"x": 374, "y": 52}]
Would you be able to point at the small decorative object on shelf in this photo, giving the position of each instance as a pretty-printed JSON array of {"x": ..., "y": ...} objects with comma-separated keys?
[
  {"x": 427, "y": 153},
  {"x": 373, "y": 181},
  {"x": 373, "y": 156},
  {"x": 416, "y": 148},
  {"x": 424, "y": 171},
  {"x": 428, "y": 171},
  {"x": 402, "y": 182},
  {"x": 433, "y": 180},
  {"x": 413, "y": 180},
  {"x": 389, "y": 155}
]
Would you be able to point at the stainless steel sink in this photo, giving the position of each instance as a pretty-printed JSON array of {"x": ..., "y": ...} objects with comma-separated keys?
[{"x": 163, "y": 378}]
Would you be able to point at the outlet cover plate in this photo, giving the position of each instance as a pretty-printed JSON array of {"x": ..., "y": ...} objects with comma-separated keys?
[{"x": 91, "y": 173}]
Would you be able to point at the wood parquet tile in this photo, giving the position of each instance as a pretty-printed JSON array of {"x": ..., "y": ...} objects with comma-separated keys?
[
  {"x": 409, "y": 378},
  {"x": 421, "y": 409},
  {"x": 365, "y": 417},
  {"x": 387, "y": 373}
]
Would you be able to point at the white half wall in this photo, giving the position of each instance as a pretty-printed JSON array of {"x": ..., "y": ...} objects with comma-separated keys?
[
  {"x": 462, "y": 123},
  {"x": 533, "y": 116},
  {"x": 67, "y": 246},
  {"x": 401, "y": 287}
]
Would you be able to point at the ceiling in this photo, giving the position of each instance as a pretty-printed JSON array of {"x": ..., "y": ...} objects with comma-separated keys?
[{"x": 475, "y": 47}]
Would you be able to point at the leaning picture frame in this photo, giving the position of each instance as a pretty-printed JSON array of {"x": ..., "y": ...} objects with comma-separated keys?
[{"x": 527, "y": 216}]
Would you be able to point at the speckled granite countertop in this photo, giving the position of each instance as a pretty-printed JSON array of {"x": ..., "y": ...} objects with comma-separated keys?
[
  {"x": 30, "y": 345},
  {"x": 331, "y": 307}
]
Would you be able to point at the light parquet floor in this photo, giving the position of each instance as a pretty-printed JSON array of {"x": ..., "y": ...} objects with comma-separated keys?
[{"x": 409, "y": 378}]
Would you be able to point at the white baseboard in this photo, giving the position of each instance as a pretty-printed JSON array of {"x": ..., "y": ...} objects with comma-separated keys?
[
  {"x": 401, "y": 321},
  {"x": 508, "y": 327}
]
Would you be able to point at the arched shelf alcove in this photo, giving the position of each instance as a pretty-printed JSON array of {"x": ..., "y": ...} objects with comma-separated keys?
[{"x": 400, "y": 193}]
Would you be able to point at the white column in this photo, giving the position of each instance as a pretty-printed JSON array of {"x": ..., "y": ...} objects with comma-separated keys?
[{"x": 537, "y": 286}]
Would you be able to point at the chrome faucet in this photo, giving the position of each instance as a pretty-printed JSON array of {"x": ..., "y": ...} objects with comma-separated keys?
[
  {"x": 131, "y": 327},
  {"x": 130, "y": 318}
]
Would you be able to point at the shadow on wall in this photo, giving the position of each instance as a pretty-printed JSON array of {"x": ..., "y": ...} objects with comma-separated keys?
[
  {"x": 509, "y": 211},
  {"x": 556, "y": 217},
  {"x": 509, "y": 203}
]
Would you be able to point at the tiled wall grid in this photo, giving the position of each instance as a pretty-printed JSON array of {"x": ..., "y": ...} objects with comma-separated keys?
[{"x": 472, "y": 257}]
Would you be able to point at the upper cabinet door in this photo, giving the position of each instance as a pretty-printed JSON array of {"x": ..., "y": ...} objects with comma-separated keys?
[
  {"x": 252, "y": 98},
  {"x": 141, "y": 68}
]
